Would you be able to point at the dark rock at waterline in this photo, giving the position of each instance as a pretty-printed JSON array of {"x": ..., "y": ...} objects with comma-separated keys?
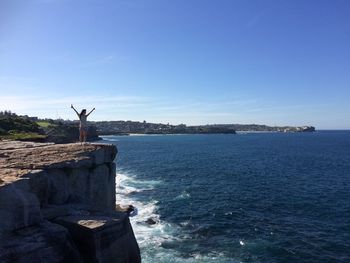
[{"x": 151, "y": 221}]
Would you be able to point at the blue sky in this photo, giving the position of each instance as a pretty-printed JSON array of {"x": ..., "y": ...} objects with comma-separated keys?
[{"x": 281, "y": 62}]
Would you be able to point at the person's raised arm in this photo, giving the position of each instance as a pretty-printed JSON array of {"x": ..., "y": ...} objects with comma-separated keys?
[
  {"x": 90, "y": 112},
  {"x": 75, "y": 110}
]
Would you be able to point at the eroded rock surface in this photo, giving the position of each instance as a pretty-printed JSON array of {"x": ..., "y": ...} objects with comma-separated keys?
[
  {"x": 63, "y": 195},
  {"x": 47, "y": 156}
]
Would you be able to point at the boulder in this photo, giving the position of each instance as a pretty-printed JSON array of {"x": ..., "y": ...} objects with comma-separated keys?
[
  {"x": 151, "y": 221},
  {"x": 103, "y": 238}
]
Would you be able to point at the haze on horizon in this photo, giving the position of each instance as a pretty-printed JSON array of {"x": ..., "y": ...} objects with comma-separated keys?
[{"x": 187, "y": 61}]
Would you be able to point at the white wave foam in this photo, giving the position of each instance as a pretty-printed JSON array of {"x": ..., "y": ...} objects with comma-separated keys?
[
  {"x": 183, "y": 195},
  {"x": 110, "y": 138},
  {"x": 151, "y": 237},
  {"x": 146, "y": 234}
]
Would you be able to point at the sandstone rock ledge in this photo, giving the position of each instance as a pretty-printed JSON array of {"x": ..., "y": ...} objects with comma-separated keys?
[{"x": 57, "y": 204}]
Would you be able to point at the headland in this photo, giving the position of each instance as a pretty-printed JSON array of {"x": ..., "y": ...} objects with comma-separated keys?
[{"x": 57, "y": 202}]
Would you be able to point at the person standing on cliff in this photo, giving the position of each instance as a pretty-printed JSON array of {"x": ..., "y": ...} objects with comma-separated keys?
[{"x": 83, "y": 123}]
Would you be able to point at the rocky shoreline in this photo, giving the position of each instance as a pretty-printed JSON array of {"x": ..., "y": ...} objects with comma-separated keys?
[{"x": 57, "y": 203}]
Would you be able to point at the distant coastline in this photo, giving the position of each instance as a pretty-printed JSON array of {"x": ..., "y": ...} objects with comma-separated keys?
[
  {"x": 135, "y": 127},
  {"x": 16, "y": 127}
]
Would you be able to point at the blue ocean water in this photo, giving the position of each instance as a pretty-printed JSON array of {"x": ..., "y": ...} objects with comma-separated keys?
[{"x": 255, "y": 197}]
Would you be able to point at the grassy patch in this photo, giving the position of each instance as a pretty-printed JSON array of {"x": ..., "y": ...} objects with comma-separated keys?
[
  {"x": 45, "y": 124},
  {"x": 24, "y": 136}
]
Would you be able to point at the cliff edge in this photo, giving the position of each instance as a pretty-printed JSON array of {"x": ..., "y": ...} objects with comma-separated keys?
[{"x": 57, "y": 204}]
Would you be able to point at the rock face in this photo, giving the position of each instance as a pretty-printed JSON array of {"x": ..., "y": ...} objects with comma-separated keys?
[
  {"x": 45, "y": 242},
  {"x": 68, "y": 132},
  {"x": 58, "y": 202}
]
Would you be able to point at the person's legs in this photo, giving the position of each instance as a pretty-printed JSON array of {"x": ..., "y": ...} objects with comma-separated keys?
[
  {"x": 84, "y": 135},
  {"x": 81, "y": 135}
]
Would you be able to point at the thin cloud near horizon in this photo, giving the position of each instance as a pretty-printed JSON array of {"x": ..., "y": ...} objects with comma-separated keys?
[
  {"x": 137, "y": 108},
  {"x": 42, "y": 106}
]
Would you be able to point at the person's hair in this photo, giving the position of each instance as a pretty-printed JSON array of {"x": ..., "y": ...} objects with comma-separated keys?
[{"x": 83, "y": 111}]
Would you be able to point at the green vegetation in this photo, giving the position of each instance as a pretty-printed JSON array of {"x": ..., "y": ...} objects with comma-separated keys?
[
  {"x": 45, "y": 124},
  {"x": 14, "y": 127},
  {"x": 24, "y": 128},
  {"x": 3, "y": 132},
  {"x": 11, "y": 123}
]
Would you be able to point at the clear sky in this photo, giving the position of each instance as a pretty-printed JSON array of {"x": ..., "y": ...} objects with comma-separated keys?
[{"x": 280, "y": 62}]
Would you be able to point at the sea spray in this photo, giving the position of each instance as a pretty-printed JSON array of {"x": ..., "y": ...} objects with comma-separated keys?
[{"x": 156, "y": 240}]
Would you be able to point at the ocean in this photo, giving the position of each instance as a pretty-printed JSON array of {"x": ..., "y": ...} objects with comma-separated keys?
[{"x": 249, "y": 197}]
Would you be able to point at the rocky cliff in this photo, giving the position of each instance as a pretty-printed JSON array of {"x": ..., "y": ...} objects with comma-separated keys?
[
  {"x": 57, "y": 204},
  {"x": 67, "y": 133}
]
